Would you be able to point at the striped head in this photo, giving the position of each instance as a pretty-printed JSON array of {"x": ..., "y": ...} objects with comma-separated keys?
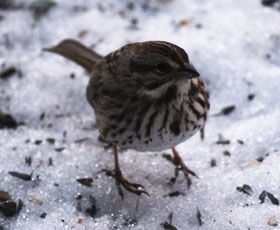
[{"x": 151, "y": 68}]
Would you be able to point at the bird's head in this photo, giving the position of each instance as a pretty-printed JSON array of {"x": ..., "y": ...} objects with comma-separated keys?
[{"x": 155, "y": 66}]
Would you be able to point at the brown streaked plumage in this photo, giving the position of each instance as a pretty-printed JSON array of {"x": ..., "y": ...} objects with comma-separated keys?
[{"x": 146, "y": 96}]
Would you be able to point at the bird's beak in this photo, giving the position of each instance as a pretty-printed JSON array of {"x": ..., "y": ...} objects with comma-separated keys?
[{"x": 189, "y": 68}]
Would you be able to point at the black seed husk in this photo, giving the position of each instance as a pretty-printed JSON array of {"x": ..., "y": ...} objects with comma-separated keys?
[
  {"x": 59, "y": 149},
  {"x": 10, "y": 208},
  {"x": 4, "y": 196},
  {"x": 7, "y": 121},
  {"x": 28, "y": 160},
  {"x": 168, "y": 226},
  {"x": 269, "y": 2},
  {"x": 272, "y": 198},
  {"x": 175, "y": 194},
  {"x": 43, "y": 215},
  {"x": 51, "y": 141},
  {"x": 23, "y": 176},
  {"x": 251, "y": 97},
  {"x": 262, "y": 196},
  {"x": 213, "y": 163},
  {"x": 227, "y": 110},
  {"x": 198, "y": 216},
  {"x": 50, "y": 163},
  {"x": 6, "y": 73},
  {"x": 85, "y": 181},
  {"x": 245, "y": 189},
  {"x": 38, "y": 142}
]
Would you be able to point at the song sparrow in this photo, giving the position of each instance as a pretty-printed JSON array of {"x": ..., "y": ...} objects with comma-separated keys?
[{"x": 146, "y": 96}]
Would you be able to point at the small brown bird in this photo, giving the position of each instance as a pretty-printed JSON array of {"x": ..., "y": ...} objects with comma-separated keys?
[{"x": 146, "y": 96}]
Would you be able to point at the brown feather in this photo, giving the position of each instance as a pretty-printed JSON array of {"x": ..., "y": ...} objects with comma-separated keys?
[{"x": 76, "y": 52}]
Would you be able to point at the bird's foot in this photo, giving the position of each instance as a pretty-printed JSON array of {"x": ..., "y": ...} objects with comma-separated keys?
[
  {"x": 137, "y": 189},
  {"x": 180, "y": 166},
  {"x": 187, "y": 172}
]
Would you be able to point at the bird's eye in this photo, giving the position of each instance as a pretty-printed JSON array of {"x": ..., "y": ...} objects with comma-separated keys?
[{"x": 162, "y": 68}]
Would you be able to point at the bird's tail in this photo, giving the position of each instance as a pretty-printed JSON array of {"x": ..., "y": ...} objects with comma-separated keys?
[{"x": 76, "y": 52}]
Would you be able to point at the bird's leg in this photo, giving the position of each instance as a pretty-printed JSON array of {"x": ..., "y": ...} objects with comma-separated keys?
[
  {"x": 137, "y": 189},
  {"x": 180, "y": 165}
]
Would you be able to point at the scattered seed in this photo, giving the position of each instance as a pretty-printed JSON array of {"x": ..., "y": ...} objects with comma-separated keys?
[
  {"x": 92, "y": 210},
  {"x": 269, "y": 2},
  {"x": 260, "y": 159},
  {"x": 184, "y": 22},
  {"x": 245, "y": 189},
  {"x": 170, "y": 217},
  {"x": 43, "y": 215},
  {"x": 262, "y": 196},
  {"x": 213, "y": 163},
  {"x": 85, "y": 181},
  {"x": 50, "y": 162},
  {"x": 23, "y": 176},
  {"x": 226, "y": 111},
  {"x": 42, "y": 116},
  {"x": 134, "y": 21},
  {"x": 38, "y": 142},
  {"x": 81, "y": 34},
  {"x": 28, "y": 160},
  {"x": 50, "y": 140},
  {"x": 268, "y": 56},
  {"x": 81, "y": 140},
  {"x": 240, "y": 142},
  {"x": 202, "y": 133},
  {"x": 198, "y": 25},
  {"x": 272, "y": 198},
  {"x": 10, "y": 208},
  {"x": 251, "y": 96},
  {"x": 222, "y": 140},
  {"x": 6, "y": 73},
  {"x": 4, "y": 196},
  {"x": 226, "y": 153},
  {"x": 59, "y": 149},
  {"x": 198, "y": 216},
  {"x": 7, "y": 121},
  {"x": 272, "y": 221},
  {"x": 168, "y": 226},
  {"x": 130, "y": 6},
  {"x": 175, "y": 194},
  {"x": 80, "y": 220}
]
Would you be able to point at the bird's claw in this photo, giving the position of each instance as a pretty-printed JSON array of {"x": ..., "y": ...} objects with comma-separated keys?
[{"x": 137, "y": 189}]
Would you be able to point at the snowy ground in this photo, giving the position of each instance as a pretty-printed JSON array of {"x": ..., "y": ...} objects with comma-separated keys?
[{"x": 236, "y": 47}]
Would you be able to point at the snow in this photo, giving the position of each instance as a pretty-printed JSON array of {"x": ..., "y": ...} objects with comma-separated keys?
[{"x": 235, "y": 45}]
